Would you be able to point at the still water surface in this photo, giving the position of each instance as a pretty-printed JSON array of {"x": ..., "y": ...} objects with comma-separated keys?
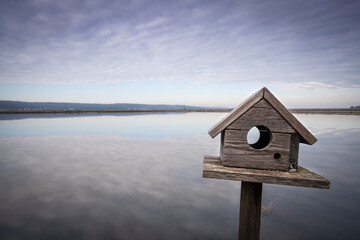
[{"x": 139, "y": 176}]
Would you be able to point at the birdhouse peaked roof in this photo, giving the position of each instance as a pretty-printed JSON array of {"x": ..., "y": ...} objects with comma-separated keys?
[{"x": 264, "y": 93}]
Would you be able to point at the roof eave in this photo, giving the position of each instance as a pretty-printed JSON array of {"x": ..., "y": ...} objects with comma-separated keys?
[{"x": 305, "y": 136}]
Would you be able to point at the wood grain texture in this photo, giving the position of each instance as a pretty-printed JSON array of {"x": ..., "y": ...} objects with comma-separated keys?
[
  {"x": 267, "y": 117},
  {"x": 294, "y": 149},
  {"x": 305, "y": 135},
  {"x": 250, "y": 211},
  {"x": 236, "y": 113},
  {"x": 238, "y": 153},
  {"x": 213, "y": 168}
]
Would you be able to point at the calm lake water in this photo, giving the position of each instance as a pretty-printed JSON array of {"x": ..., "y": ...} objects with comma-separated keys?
[{"x": 137, "y": 176}]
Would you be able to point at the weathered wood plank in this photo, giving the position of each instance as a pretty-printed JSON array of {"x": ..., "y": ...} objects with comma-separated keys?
[
  {"x": 236, "y": 141},
  {"x": 250, "y": 211},
  {"x": 265, "y": 162},
  {"x": 213, "y": 168},
  {"x": 238, "y": 153},
  {"x": 294, "y": 150},
  {"x": 267, "y": 117},
  {"x": 306, "y": 136},
  {"x": 236, "y": 112}
]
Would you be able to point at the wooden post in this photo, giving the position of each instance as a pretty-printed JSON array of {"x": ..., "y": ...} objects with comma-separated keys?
[
  {"x": 251, "y": 189},
  {"x": 250, "y": 211}
]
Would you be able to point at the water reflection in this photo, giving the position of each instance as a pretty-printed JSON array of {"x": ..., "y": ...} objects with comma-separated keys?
[
  {"x": 109, "y": 187},
  {"x": 125, "y": 125},
  {"x": 304, "y": 213},
  {"x": 117, "y": 187}
]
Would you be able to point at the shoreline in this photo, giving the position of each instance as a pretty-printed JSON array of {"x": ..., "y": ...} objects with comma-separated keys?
[{"x": 329, "y": 111}]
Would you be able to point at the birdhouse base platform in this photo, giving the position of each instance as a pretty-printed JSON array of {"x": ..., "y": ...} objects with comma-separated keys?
[{"x": 213, "y": 168}]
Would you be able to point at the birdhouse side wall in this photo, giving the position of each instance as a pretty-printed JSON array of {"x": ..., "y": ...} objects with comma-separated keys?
[{"x": 294, "y": 150}]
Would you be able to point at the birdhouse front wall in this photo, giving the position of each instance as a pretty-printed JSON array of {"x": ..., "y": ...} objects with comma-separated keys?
[{"x": 281, "y": 149}]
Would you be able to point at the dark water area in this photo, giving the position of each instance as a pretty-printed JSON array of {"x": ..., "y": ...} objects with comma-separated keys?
[{"x": 140, "y": 176}]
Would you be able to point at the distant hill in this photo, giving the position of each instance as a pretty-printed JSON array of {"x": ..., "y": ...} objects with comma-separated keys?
[{"x": 18, "y": 105}]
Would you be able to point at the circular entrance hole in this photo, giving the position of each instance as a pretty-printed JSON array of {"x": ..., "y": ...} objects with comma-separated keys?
[
  {"x": 277, "y": 155},
  {"x": 259, "y": 137}
]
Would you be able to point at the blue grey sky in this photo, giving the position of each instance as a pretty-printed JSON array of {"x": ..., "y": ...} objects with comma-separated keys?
[{"x": 205, "y": 53}]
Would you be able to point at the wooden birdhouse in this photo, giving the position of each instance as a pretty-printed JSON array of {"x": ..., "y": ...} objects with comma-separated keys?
[
  {"x": 279, "y": 135},
  {"x": 277, "y": 148}
]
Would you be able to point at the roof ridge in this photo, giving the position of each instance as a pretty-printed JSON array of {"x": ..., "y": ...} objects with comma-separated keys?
[{"x": 264, "y": 93}]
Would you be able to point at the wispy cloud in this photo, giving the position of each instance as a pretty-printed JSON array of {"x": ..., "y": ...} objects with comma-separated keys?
[{"x": 311, "y": 44}]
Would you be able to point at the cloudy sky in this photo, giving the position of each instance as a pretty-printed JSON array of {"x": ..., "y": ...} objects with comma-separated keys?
[{"x": 204, "y": 53}]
